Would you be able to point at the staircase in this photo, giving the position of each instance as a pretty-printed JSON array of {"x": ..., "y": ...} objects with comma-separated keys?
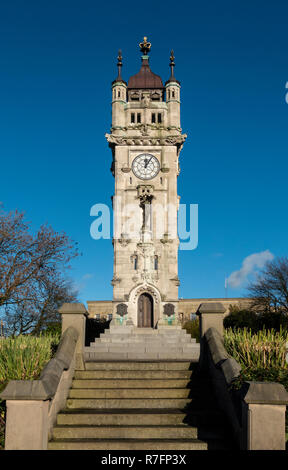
[
  {"x": 130, "y": 343},
  {"x": 138, "y": 405}
]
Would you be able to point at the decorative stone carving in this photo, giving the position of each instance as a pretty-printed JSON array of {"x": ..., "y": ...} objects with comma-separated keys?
[
  {"x": 145, "y": 191},
  {"x": 124, "y": 240},
  {"x": 115, "y": 281},
  {"x": 144, "y": 129},
  {"x": 145, "y": 100},
  {"x": 145, "y": 288},
  {"x": 125, "y": 140},
  {"x": 122, "y": 310},
  {"x": 166, "y": 239},
  {"x": 176, "y": 280},
  {"x": 169, "y": 309},
  {"x": 125, "y": 169}
]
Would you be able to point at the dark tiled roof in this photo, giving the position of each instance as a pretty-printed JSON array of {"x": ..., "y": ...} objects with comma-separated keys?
[{"x": 145, "y": 78}]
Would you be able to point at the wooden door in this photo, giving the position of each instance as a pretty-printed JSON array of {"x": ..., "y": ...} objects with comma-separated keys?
[{"x": 145, "y": 311}]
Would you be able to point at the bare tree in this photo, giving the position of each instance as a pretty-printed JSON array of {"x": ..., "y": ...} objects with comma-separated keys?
[
  {"x": 32, "y": 272},
  {"x": 41, "y": 309},
  {"x": 269, "y": 293}
]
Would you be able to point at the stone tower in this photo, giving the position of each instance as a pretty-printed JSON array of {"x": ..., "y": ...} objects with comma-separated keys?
[{"x": 145, "y": 139}]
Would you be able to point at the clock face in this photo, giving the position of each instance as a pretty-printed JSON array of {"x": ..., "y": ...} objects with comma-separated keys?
[{"x": 145, "y": 166}]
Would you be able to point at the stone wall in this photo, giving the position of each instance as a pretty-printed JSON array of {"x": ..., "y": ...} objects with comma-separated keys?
[{"x": 186, "y": 306}]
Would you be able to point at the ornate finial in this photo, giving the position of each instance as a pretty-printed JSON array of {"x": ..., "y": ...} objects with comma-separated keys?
[
  {"x": 172, "y": 63},
  {"x": 145, "y": 46},
  {"x": 119, "y": 64}
]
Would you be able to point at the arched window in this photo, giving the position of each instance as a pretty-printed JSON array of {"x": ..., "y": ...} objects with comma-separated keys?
[
  {"x": 135, "y": 262},
  {"x": 155, "y": 262}
]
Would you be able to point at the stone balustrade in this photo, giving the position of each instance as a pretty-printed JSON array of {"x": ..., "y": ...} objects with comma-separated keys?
[
  {"x": 32, "y": 405},
  {"x": 255, "y": 413}
]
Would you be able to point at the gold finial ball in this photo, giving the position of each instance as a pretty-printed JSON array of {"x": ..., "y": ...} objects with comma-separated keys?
[{"x": 145, "y": 46}]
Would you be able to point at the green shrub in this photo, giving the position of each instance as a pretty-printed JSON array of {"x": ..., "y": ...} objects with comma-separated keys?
[
  {"x": 243, "y": 318},
  {"x": 53, "y": 328},
  {"x": 192, "y": 327}
]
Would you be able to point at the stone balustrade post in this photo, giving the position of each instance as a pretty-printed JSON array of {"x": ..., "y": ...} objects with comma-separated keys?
[
  {"x": 26, "y": 424},
  {"x": 75, "y": 314},
  {"x": 263, "y": 415},
  {"x": 211, "y": 315}
]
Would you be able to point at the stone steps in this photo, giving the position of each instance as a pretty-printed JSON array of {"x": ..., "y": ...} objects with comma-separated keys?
[
  {"x": 133, "y": 417},
  {"x": 129, "y": 383},
  {"x": 130, "y": 393},
  {"x": 130, "y": 343},
  {"x": 143, "y": 338},
  {"x": 139, "y": 405},
  {"x": 190, "y": 355},
  {"x": 132, "y": 374},
  {"x": 125, "y": 432},
  {"x": 140, "y": 365},
  {"x": 132, "y": 347},
  {"x": 128, "y": 444},
  {"x": 182, "y": 431}
]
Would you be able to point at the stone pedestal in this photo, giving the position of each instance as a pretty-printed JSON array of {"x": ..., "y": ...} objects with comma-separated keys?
[
  {"x": 211, "y": 315},
  {"x": 263, "y": 412},
  {"x": 74, "y": 314}
]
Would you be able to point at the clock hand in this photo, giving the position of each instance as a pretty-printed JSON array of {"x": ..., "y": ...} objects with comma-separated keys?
[{"x": 147, "y": 162}]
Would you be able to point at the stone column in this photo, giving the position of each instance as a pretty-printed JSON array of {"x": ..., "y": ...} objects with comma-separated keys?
[
  {"x": 75, "y": 314},
  {"x": 211, "y": 315},
  {"x": 263, "y": 415}
]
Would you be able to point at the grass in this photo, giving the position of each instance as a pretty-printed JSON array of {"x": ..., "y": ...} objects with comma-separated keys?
[
  {"x": 262, "y": 356},
  {"x": 23, "y": 358},
  {"x": 264, "y": 350}
]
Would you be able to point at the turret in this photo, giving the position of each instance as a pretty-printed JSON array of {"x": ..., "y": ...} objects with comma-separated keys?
[
  {"x": 119, "y": 98},
  {"x": 173, "y": 98}
]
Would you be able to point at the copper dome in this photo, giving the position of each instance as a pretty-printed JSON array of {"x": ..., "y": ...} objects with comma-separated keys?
[{"x": 145, "y": 78}]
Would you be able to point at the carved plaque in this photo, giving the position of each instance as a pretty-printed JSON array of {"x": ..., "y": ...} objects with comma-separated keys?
[
  {"x": 169, "y": 310},
  {"x": 121, "y": 310}
]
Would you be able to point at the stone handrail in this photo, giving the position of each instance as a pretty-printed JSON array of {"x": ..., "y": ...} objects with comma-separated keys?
[
  {"x": 32, "y": 405},
  {"x": 220, "y": 357},
  {"x": 256, "y": 413},
  {"x": 46, "y": 386}
]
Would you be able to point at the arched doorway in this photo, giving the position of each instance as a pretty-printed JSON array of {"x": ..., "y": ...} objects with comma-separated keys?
[{"x": 145, "y": 311}]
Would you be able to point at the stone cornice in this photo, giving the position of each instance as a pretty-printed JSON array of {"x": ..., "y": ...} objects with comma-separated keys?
[{"x": 177, "y": 140}]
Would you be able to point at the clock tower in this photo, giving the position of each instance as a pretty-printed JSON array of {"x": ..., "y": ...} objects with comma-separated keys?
[{"x": 145, "y": 139}]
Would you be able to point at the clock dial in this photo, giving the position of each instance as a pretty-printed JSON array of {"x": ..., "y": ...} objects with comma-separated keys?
[{"x": 145, "y": 166}]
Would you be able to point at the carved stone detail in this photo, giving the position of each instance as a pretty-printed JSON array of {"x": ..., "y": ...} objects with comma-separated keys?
[
  {"x": 124, "y": 240},
  {"x": 145, "y": 288},
  {"x": 115, "y": 281},
  {"x": 176, "y": 280},
  {"x": 169, "y": 310},
  {"x": 122, "y": 310},
  {"x": 125, "y": 140},
  {"x": 166, "y": 239}
]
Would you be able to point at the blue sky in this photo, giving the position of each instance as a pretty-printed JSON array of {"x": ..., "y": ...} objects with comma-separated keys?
[{"x": 57, "y": 63}]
